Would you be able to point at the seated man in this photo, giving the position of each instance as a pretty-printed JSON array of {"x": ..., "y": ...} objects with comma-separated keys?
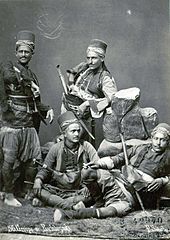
[
  {"x": 117, "y": 198},
  {"x": 65, "y": 160},
  {"x": 149, "y": 165}
]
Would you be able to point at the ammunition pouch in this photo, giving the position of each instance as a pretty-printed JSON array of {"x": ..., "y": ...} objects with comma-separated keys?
[{"x": 22, "y": 103}]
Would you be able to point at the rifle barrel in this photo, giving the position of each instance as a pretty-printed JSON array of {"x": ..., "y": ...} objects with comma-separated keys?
[
  {"x": 66, "y": 92},
  {"x": 62, "y": 79}
]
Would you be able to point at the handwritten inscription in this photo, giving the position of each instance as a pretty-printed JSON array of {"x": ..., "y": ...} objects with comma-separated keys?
[
  {"x": 146, "y": 219},
  {"x": 42, "y": 228}
]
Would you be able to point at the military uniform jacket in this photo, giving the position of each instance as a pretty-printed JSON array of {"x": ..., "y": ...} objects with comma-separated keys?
[
  {"x": 16, "y": 110},
  {"x": 143, "y": 158}
]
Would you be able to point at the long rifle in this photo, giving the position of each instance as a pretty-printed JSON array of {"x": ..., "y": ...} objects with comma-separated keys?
[
  {"x": 44, "y": 166},
  {"x": 51, "y": 188},
  {"x": 66, "y": 92},
  {"x": 62, "y": 79},
  {"x": 127, "y": 160},
  {"x": 126, "y": 164},
  {"x": 48, "y": 186}
]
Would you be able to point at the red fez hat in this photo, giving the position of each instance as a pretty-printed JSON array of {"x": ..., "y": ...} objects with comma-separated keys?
[
  {"x": 26, "y": 36},
  {"x": 97, "y": 43},
  {"x": 66, "y": 118}
]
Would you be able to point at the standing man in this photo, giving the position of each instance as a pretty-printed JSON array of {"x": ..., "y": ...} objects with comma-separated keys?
[
  {"x": 90, "y": 83},
  {"x": 19, "y": 100},
  {"x": 65, "y": 161}
]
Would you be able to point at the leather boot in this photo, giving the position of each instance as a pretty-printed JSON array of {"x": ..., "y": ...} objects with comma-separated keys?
[
  {"x": 95, "y": 192},
  {"x": 89, "y": 178},
  {"x": 60, "y": 215},
  {"x": 55, "y": 200},
  {"x": 106, "y": 212}
]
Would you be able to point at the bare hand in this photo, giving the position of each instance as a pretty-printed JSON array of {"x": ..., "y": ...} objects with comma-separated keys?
[
  {"x": 82, "y": 108},
  {"x": 50, "y": 114},
  {"x": 37, "y": 186},
  {"x": 91, "y": 165},
  {"x": 155, "y": 185}
]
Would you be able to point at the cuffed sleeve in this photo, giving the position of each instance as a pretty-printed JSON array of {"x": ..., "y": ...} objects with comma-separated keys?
[
  {"x": 91, "y": 151},
  {"x": 49, "y": 161},
  {"x": 3, "y": 96},
  {"x": 109, "y": 87},
  {"x": 106, "y": 163}
]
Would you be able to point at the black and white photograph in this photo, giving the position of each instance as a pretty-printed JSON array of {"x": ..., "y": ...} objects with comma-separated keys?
[{"x": 84, "y": 119}]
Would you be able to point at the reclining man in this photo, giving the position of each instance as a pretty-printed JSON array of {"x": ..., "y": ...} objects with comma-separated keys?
[
  {"x": 66, "y": 158},
  {"x": 149, "y": 167}
]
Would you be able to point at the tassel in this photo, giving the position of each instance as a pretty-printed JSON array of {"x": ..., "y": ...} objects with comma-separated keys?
[{"x": 35, "y": 106}]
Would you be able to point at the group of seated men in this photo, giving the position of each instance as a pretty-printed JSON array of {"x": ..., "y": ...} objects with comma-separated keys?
[{"x": 79, "y": 184}]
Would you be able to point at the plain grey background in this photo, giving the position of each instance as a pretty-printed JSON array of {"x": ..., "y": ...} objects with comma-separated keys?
[{"x": 137, "y": 33}]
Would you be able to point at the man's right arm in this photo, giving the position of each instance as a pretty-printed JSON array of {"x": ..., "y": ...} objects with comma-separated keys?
[
  {"x": 49, "y": 161},
  {"x": 7, "y": 74},
  {"x": 43, "y": 172},
  {"x": 4, "y": 71},
  {"x": 110, "y": 162}
]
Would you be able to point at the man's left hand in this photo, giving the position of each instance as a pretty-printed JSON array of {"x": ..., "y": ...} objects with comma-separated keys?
[
  {"x": 50, "y": 114},
  {"x": 82, "y": 108},
  {"x": 155, "y": 185},
  {"x": 91, "y": 165}
]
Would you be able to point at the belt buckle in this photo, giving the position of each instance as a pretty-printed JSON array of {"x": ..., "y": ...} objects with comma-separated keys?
[{"x": 70, "y": 170}]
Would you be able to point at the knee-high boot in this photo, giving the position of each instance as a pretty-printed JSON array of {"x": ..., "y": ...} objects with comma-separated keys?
[
  {"x": 95, "y": 192},
  {"x": 54, "y": 200},
  {"x": 84, "y": 213},
  {"x": 106, "y": 212}
]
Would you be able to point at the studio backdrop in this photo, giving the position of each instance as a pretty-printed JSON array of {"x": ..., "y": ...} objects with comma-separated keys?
[{"x": 136, "y": 31}]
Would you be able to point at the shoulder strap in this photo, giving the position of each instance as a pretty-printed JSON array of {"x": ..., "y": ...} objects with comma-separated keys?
[
  {"x": 140, "y": 156},
  {"x": 17, "y": 73}
]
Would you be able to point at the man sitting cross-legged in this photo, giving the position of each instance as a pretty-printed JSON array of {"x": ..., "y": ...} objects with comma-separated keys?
[{"x": 66, "y": 158}]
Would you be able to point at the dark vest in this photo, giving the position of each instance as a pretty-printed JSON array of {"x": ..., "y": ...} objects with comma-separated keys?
[{"x": 95, "y": 85}]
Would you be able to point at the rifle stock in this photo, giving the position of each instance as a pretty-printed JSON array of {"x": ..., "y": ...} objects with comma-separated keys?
[
  {"x": 44, "y": 166},
  {"x": 127, "y": 170}
]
